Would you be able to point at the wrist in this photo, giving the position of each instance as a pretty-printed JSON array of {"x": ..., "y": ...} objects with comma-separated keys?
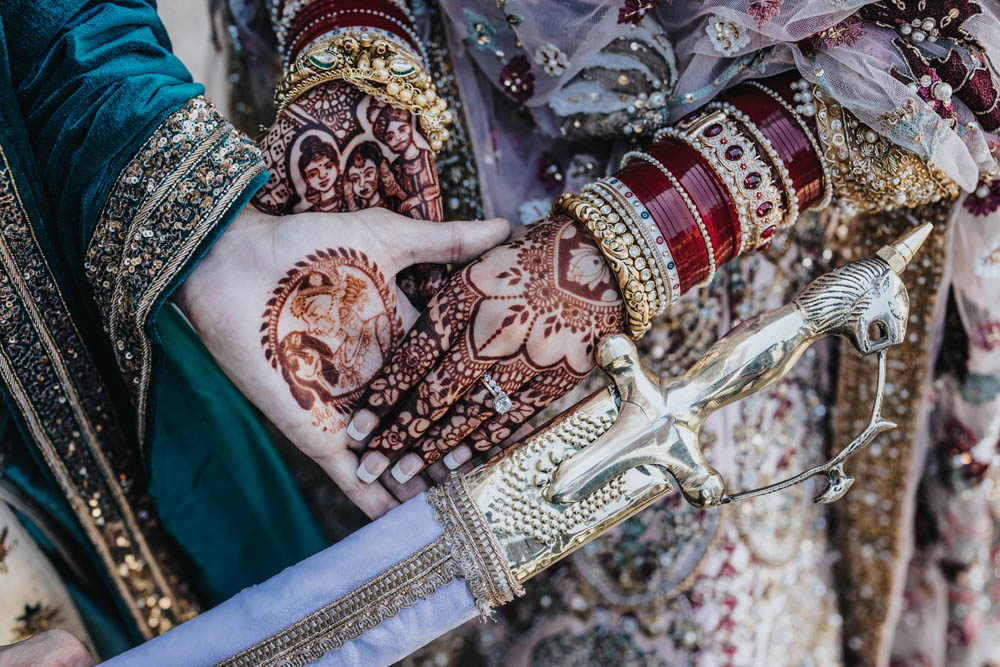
[{"x": 213, "y": 268}]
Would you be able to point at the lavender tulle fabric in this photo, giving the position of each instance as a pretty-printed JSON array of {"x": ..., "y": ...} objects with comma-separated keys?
[{"x": 260, "y": 611}]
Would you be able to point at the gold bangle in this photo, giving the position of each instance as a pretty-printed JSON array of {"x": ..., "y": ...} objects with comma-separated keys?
[
  {"x": 869, "y": 173},
  {"x": 620, "y": 254},
  {"x": 375, "y": 65},
  {"x": 645, "y": 264},
  {"x": 653, "y": 267}
]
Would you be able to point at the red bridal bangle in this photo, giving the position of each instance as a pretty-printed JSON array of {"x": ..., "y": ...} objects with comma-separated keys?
[
  {"x": 321, "y": 17},
  {"x": 675, "y": 223},
  {"x": 707, "y": 192},
  {"x": 787, "y": 137}
]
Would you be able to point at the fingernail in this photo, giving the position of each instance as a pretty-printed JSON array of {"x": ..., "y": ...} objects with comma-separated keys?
[
  {"x": 457, "y": 457},
  {"x": 406, "y": 468},
  {"x": 372, "y": 465},
  {"x": 361, "y": 425}
]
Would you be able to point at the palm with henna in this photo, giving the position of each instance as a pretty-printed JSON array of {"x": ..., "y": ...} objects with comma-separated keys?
[
  {"x": 302, "y": 311},
  {"x": 530, "y": 312}
]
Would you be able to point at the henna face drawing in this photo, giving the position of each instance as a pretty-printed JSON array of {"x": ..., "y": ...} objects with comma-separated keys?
[
  {"x": 336, "y": 149},
  {"x": 328, "y": 328}
]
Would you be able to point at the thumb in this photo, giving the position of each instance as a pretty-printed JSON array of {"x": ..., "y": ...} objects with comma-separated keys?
[{"x": 418, "y": 241}]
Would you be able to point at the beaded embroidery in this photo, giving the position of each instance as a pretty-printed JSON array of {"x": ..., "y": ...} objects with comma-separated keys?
[
  {"x": 162, "y": 206},
  {"x": 54, "y": 385}
]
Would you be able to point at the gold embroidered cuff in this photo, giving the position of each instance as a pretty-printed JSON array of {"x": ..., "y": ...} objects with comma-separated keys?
[
  {"x": 622, "y": 252},
  {"x": 165, "y": 202},
  {"x": 480, "y": 560},
  {"x": 869, "y": 173},
  {"x": 377, "y": 66},
  {"x": 465, "y": 549}
]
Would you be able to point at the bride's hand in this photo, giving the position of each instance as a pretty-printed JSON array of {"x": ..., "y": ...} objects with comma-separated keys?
[
  {"x": 337, "y": 149},
  {"x": 530, "y": 312},
  {"x": 301, "y": 311}
]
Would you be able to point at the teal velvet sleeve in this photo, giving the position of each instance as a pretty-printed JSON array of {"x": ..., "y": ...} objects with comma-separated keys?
[
  {"x": 92, "y": 78},
  {"x": 128, "y": 176}
]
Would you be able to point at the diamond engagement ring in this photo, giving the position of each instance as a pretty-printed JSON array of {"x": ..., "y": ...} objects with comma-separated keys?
[{"x": 501, "y": 401}]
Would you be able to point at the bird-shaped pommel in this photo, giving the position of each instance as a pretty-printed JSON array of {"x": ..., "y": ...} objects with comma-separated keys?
[{"x": 659, "y": 421}]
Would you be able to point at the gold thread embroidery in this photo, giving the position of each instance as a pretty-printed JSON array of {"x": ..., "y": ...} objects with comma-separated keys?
[
  {"x": 484, "y": 566},
  {"x": 67, "y": 411},
  {"x": 872, "y": 534},
  {"x": 160, "y": 209},
  {"x": 383, "y": 596},
  {"x": 869, "y": 172}
]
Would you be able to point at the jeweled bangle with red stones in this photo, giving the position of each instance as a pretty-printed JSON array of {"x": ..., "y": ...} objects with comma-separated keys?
[
  {"x": 716, "y": 185},
  {"x": 738, "y": 163}
]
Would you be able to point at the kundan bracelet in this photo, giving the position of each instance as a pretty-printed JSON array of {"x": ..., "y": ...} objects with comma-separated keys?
[{"x": 374, "y": 65}]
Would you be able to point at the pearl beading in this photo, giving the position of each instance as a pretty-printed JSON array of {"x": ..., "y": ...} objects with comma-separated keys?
[
  {"x": 657, "y": 242},
  {"x": 629, "y": 226},
  {"x": 395, "y": 39},
  {"x": 640, "y": 155},
  {"x": 644, "y": 262},
  {"x": 803, "y": 85}
]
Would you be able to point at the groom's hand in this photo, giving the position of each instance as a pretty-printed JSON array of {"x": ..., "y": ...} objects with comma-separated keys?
[{"x": 302, "y": 311}]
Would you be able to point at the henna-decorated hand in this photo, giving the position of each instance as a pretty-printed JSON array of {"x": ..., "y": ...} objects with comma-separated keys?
[
  {"x": 302, "y": 311},
  {"x": 336, "y": 149},
  {"x": 529, "y": 311}
]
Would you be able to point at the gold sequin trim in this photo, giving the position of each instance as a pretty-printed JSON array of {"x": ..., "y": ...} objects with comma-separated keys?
[
  {"x": 464, "y": 549},
  {"x": 381, "y": 597},
  {"x": 56, "y": 392},
  {"x": 169, "y": 197},
  {"x": 873, "y": 522}
]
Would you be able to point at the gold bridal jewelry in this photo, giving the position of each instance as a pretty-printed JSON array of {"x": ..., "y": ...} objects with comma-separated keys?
[
  {"x": 375, "y": 65},
  {"x": 627, "y": 445}
]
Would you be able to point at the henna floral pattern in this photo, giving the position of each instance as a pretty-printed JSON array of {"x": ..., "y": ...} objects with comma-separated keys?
[
  {"x": 327, "y": 329},
  {"x": 530, "y": 312}
]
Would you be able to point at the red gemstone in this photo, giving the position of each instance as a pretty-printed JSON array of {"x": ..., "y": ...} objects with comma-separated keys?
[
  {"x": 734, "y": 153},
  {"x": 767, "y": 233},
  {"x": 712, "y": 130},
  {"x": 764, "y": 208},
  {"x": 751, "y": 180}
]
